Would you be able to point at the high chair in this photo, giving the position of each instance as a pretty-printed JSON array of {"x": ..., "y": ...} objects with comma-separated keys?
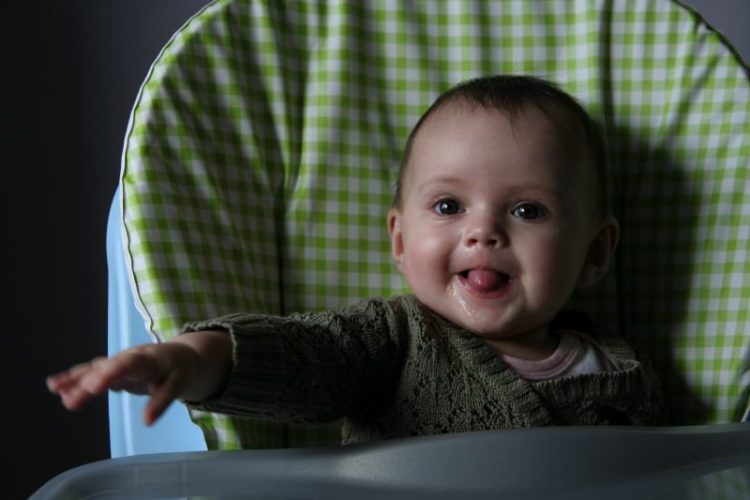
[
  {"x": 127, "y": 434},
  {"x": 257, "y": 172}
]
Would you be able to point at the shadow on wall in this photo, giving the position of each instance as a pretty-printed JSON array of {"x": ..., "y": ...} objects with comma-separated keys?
[{"x": 658, "y": 206}]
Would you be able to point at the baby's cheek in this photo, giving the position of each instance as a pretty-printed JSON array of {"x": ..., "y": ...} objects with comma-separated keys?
[
  {"x": 424, "y": 255},
  {"x": 428, "y": 245},
  {"x": 558, "y": 268}
]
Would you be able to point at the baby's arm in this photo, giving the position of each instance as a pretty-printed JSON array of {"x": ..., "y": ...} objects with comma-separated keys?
[
  {"x": 311, "y": 367},
  {"x": 193, "y": 366}
]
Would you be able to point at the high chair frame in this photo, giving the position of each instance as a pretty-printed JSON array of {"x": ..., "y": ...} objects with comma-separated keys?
[{"x": 258, "y": 163}]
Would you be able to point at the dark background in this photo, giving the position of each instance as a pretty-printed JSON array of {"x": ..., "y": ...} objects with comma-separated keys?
[{"x": 72, "y": 69}]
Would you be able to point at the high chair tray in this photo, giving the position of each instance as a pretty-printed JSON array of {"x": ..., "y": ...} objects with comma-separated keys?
[{"x": 539, "y": 463}]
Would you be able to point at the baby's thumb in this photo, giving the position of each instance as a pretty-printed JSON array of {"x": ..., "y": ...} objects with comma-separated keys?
[{"x": 162, "y": 395}]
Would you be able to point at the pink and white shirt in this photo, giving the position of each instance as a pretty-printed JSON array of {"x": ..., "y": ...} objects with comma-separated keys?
[{"x": 576, "y": 354}]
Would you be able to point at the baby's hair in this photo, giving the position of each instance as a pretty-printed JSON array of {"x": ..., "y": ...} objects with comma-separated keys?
[{"x": 510, "y": 93}]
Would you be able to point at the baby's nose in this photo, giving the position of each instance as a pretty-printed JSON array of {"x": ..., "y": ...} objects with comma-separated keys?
[
  {"x": 483, "y": 239},
  {"x": 485, "y": 231}
]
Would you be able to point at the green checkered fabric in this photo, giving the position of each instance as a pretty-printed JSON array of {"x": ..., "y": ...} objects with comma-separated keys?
[{"x": 265, "y": 142}]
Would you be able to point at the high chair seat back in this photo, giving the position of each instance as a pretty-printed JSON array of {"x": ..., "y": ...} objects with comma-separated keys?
[{"x": 264, "y": 145}]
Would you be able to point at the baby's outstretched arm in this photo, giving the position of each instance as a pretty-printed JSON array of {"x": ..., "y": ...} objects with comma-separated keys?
[{"x": 193, "y": 366}]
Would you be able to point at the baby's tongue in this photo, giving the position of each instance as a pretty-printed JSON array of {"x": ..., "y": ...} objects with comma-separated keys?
[{"x": 485, "y": 279}]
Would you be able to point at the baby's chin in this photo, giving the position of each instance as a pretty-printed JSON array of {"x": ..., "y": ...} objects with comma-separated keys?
[
  {"x": 486, "y": 324},
  {"x": 492, "y": 324}
]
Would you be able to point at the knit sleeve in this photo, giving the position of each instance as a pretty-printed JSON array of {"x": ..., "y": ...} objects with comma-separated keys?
[{"x": 311, "y": 367}]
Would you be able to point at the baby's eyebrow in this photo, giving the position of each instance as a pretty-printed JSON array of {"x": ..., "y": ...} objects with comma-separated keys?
[
  {"x": 540, "y": 190},
  {"x": 440, "y": 181},
  {"x": 523, "y": 189}
]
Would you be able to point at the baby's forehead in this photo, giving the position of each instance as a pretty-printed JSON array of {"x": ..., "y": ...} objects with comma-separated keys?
[
  {"x": 539, "y": 128},
  {"x": 555, "y": 138},
  {"x": 565, "y": 121}
]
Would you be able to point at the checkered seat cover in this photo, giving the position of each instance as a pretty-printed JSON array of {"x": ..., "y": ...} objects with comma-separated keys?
[{"x": 264, "y": 146}]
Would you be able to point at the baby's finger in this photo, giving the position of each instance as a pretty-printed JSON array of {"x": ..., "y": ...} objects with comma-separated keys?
[
  {"x": 129, "y": 367},
  {"x": 75, "y": 397},
  {"x": 162, "y": 395},
  {"x": 58, "y": 382},
  {"x": 70, "y": 377}
]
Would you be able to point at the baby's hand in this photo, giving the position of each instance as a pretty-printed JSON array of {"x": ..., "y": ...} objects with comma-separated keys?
[{"x": 185, "y": 368}]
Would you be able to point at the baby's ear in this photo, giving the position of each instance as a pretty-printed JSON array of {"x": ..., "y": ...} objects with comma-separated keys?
[
  {"x": 600, "y": 252},
  {"x": 397, "y": 240}
]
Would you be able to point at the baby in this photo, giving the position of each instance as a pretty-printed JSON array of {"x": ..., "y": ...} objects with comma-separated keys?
[{"x": 500, "y": 214}]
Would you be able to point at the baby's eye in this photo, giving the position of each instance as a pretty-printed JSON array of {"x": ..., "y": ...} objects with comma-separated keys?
[
  {"x": 446, "y": 206},
  {"x": 528, "y": 211}
]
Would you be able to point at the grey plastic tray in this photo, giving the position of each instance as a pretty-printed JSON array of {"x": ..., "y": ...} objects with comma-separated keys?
[{"x": 540, "y": 463}]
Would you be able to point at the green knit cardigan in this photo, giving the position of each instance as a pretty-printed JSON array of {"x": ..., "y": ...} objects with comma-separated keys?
[{"x": 392, "y": 368}]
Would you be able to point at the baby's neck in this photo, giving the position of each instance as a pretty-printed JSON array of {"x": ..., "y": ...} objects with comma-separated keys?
[{"x": 531, "y": 346}]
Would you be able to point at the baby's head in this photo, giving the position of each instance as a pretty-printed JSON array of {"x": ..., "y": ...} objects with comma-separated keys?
[
  {"x": 511, "y": 94},
  {"x": 501, "y": 207}
]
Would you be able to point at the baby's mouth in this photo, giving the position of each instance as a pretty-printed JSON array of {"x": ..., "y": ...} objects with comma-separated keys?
[{"x": 484, "y": 281}]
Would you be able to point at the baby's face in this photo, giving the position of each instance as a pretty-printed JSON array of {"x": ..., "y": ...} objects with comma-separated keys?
[{"x": 496, "y": 220}]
